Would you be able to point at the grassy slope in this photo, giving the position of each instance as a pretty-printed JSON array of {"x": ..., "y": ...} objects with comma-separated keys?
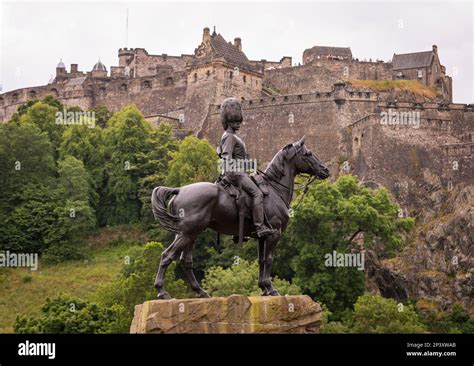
[
  {"x": 79, "y": 278},
  {"x": 413, "y": 86}
]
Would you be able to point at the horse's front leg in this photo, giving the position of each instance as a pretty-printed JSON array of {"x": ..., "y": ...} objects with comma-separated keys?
[
  {"x": 261, "y": 266},
  {"x": 270, "y": 244}
]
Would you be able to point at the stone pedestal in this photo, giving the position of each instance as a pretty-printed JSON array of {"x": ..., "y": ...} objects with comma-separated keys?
[{"x": 232, "y": 314}]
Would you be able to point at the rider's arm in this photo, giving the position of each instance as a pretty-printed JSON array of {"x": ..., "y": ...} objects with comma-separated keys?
[{"x": 228, "y": 144}]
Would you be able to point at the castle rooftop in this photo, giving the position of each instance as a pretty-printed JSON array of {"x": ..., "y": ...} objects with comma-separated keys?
[{"x": 412, "y": 60}]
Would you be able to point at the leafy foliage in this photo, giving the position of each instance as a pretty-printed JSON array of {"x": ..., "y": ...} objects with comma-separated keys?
[
  {"x": 135, "y": 285},
  {"x": 457, "y": 320},
  {"x": 375, "y": 314},
  {"x": 329, "y": 218},
  {"x": 195, "y": 161},
  {"x": 133, "y": 152},
  {"x": 241, "y": 278},
  {"x": 66, "y": 314}
]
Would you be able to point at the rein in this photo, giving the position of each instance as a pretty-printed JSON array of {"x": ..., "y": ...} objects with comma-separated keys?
[{"x": 304, "y": 187}]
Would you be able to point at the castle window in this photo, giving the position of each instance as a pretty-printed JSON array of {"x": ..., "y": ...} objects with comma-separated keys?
[
  {"x": 15, "y": 98},
  {"x": 208, "y": 73},
  {"x": 231, "y": 75},
  {"x": 102, "y": 91},
  {"x": 242, "y": 98},
  {"x": 436, "y": 68},
  {"x": 420, "y": 74},
  {"x": 245, "y": 79},
  {"x": 300, "y": 97},
  {"x": 123, "y": 87},
  {"x": 195, "y": 76},
  {"x": 146, "y": 85},
  {"x": 273, "y": 99},
  {"x": 285, "y": 98},
  {"x": 250, "y": 102},
  {"x": 367, "y": 95},
  {"x": 1, "y": 100},
  {"x": 32, "y": 94},
  {"x": 169, "y": 81}
]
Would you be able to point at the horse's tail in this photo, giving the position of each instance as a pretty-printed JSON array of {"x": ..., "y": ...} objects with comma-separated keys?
[{"x": 159, "y": 199}]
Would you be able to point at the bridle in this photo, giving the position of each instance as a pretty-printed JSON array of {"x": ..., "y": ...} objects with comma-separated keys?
[{"x": 304, "y": 186}]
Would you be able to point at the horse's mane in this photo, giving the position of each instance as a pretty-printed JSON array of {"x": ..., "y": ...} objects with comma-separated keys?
[{"x": 275, "y": 168}]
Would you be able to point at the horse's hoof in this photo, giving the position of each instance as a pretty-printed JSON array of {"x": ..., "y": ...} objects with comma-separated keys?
[
  {"x": 163, "y": 295},
  {"x": 264, "y": 293},
  {"x": 203, "y": 295},
  {"x": 273, "y": 293}
]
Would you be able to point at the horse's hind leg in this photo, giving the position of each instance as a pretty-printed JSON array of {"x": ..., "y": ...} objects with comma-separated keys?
[
  {"x": 188, "y": 270},
  {"x": 171, "y": 253}
]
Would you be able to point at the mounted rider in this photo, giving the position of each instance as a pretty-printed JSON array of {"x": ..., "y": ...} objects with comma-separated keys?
[{"x": 234, "y": 156}]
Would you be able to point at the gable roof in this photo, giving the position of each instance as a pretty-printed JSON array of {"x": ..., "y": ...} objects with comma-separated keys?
[
  {"x": 412, "y": 60},
  {"x": 230, "y": 53}
]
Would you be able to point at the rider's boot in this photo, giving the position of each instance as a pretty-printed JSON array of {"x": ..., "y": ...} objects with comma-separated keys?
[{"x": 257, "y": 214}]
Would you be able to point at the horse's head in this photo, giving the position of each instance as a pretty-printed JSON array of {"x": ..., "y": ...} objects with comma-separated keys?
[{"x": 306, "y": 161}]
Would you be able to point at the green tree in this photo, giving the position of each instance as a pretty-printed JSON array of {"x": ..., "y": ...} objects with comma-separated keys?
[
  {"x": 102, "y": 115},
  {"x": 241, "y": 278},
  {"x": 195, "y": 161},
  {"x": 155, "y": 165},
  {"x": 27, "y": 197},
  {"x": 33, "y": 225},
  {"x": 457, "y": 320},
  {"x": 76, "y": 216},
  {"x": 135, "y": 284},
  {"x": 22, "y": 109},
  {"x": 86, "y": 144},
  {"x": 26, "y": 157},
  {"x": 132, "y": 154},
  {"x": 66, "y": 314},
  {"x": 329, "y": 219},
  {"x": 375, "y": 314},
  {"x": 45, "y": 116}
]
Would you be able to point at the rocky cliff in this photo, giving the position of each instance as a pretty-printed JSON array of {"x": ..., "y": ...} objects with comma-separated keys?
[{"x": 437, "y": 269}]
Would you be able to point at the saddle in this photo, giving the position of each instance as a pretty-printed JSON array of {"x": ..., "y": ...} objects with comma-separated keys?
[{"x": 242, "y": 199}]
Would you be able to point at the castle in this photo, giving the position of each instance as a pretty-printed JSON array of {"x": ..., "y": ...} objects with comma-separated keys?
[
  {"x": 425, "y": 160},
  {"x": 281, "y": 102}
]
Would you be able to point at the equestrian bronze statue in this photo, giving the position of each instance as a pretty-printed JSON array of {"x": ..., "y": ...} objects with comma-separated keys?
[{"x": 191, "y": 209}]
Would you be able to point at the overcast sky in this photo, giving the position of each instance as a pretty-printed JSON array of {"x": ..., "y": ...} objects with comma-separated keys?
[{"x": 34, "y": 36}]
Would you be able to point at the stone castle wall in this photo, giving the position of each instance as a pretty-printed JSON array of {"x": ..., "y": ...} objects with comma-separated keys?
[
  {"x": 322, "y": 74},
  {"x": 350, "y": 138}
]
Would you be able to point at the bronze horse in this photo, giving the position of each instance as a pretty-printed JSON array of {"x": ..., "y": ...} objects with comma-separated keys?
[{"x": 198, "y": 206}]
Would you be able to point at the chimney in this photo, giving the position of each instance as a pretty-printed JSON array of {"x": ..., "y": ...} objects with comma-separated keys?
[
  {"x": 435, "y": 48},
  {"x": 238, "y": 43},
  {"x": 206, "y": 36},
  {"x": 73, "y": 68}
]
